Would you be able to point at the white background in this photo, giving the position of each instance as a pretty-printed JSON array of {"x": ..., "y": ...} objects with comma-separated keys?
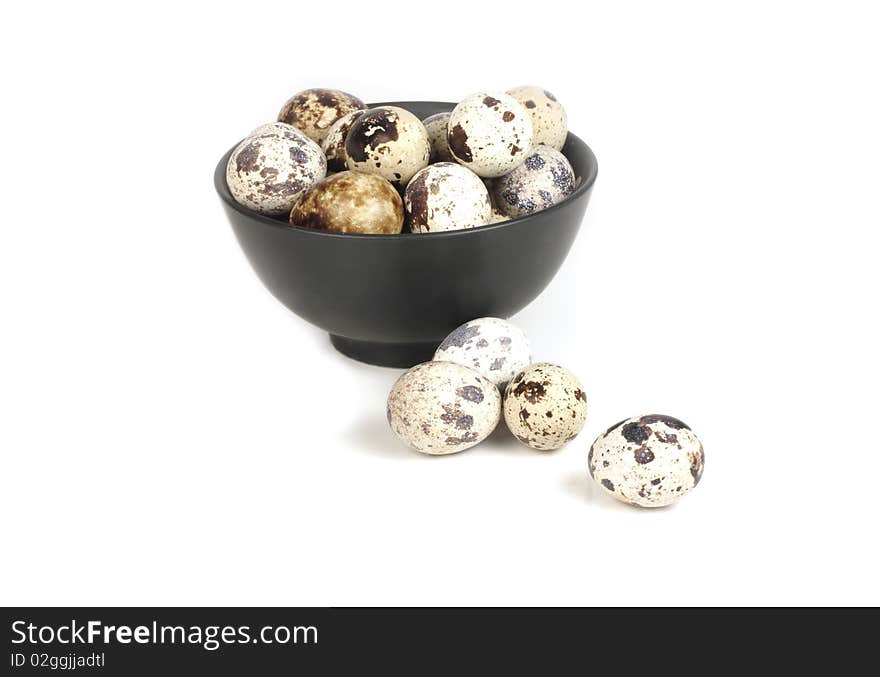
[{"x": 171, "y": 434}]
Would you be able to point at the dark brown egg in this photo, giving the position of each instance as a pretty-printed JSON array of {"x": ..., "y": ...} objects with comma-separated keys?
[
  {"x": 350, "y": 202},
  {"x": 314, "y": 111}
]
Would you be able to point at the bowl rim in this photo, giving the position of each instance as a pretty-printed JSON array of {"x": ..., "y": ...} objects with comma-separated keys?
[{"x": 226, "y": 195}]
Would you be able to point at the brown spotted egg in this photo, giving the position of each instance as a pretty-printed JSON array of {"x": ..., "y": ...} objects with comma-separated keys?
[
  {"x": 545, "y": 406},
  {"x": 443, "y": 408},
  {"x": 268, "y": 171},
  {"x": 648, "y": 461},
  {"x": 313, "y": 111},
  {"x": 549, "y": 119},
  {"x": 446, "y": 196},
  {"x": 542, "y": 180},
  {"x": 350, "y": 202},
  {"x": 489, "y": 345},
  {"x": 333, "y": 144},
  {"x": 490, "y": 134},
  {"x": 388, "y": 141},
  {"x": 437, "y": 126}
]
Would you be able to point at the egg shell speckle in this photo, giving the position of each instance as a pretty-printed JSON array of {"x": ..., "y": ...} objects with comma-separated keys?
[
  {"x": 542, "y": 180},
  {"x": 497, "y": 216},
  {"x": 549, "y": 119},
  {"x": 437, "y": 126},
  {"x": 350, "y": 202},
  {"x": 545, "y": 406},
  {"x": 313, "y": 111},
  {"x": 274, "y": 128},
  {"x": 333, "y": 144},
  {"x": 443, "y": 408},
  {"x": 388, "y": 141},
  {"x": 490, "y": 346},
  {"x": 649, "y": 461},
  {"x": 446, "y": 196},
  {"x": 268, "y": 172},
  {"x": 490, "y": 133}
]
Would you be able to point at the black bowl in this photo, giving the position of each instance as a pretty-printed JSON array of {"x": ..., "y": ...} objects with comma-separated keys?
[{"x": 390, "y": 299}]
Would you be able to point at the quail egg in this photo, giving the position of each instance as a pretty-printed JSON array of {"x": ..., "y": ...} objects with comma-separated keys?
[
  {"x": 542, "y": 180},
  {"x": 388, "y": 141},
  {"x": 545, "y": 406},
  {"x": 333, "y": 144},
  {"x": 649, "y": 461},
  {"x": 350, "y": 202},
  {"x": 437, "y": 126},
  {"x": 490, "y": 134},
  {"x": 489, "y": 345},
  {"x": 446, "y": 196},
  {"x": 443, "y": 408},
  {"x": 549, "y": 119},
  {"x": 313, "y": 111},
  {"x": 267, "y": 172}
]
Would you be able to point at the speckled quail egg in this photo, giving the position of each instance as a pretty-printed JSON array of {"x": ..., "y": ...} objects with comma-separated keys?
[
  {"x": 443, "y": 408},
  {"x": 388, "y": 141},
  {"x": 333, "y": 144},
  {"x": 267, "y": 172},
  {"x": 437, "y": 126},
  {"x": 446, "y": 196},
  {"x": 549, "y": 119},
  {"x": 542, "y": 180},
  {"x": 313, "y": 111},
  {"x": 350, "y": 202},
  {"x": 545, "y": 406},
  {"x": 490, "y": 134},
  {"x": 489, "y": 345},
  {"x": 649, "y": 461}
]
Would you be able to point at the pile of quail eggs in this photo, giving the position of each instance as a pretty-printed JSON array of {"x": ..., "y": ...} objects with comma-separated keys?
[
  {"x": 483, "y": 372},
  {"x": 329, "y": 163}
]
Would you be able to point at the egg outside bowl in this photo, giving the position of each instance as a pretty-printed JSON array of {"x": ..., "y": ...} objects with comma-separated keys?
[{"x": 390, "y": 299}]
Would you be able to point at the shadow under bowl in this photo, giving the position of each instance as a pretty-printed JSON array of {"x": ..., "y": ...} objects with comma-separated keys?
[{"x": 390, "y": 299}]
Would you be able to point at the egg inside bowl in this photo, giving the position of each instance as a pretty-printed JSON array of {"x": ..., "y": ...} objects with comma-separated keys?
[{"x": 390, "y": 299}]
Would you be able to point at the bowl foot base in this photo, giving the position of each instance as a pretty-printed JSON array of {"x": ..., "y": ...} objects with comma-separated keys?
[{"x": 403, "y": 355}]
